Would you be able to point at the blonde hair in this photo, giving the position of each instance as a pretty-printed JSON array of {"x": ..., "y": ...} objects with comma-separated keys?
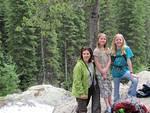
[
  {"x": 100, "y": 35},
  {"x": 113, "y": 45}
]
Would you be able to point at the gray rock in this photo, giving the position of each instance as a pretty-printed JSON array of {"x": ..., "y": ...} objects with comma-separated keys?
[{"x": 57, "y": 99}]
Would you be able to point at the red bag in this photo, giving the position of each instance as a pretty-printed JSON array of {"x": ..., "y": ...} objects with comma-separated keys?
[{"x": 130, "y": 105}]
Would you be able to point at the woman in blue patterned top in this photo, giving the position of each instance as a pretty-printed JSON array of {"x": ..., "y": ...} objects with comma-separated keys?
[{"x": 122, "y": 66}]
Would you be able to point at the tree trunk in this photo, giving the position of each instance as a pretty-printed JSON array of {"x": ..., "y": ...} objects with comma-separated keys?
[
  {"x": 43, "y": 60},
  {"x": 94, "y": 24},
  {"x": 66, "y": 64}
]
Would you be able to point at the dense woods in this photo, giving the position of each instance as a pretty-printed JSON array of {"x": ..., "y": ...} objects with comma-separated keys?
[{"x": 40, "y": 40}]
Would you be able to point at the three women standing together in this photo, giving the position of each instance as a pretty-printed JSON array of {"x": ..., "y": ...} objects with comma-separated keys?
[{"x": 92, "y": 76}]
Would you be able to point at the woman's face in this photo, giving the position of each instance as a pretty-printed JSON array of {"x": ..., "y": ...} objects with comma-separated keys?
[
  {"x": 102, "y": 41},
  {"x": 86, "y": 56},
  {"x": 119, "y": 41}
]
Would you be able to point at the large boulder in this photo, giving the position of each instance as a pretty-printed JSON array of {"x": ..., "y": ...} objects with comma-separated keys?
[
  {"x": 42, "y": 98},
  {"x": 50, "y": 99}
]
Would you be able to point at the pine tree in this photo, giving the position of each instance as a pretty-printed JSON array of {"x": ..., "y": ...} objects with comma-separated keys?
[
  {"x": 21, "y": 44},
  {"x": 147, "y": 33},
  {"x": 107, "y": 19},
  {"x": 130, "y": 18}
]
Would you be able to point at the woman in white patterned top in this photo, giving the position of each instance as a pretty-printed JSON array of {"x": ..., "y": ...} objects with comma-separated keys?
[{"x": 103, "y": 61}]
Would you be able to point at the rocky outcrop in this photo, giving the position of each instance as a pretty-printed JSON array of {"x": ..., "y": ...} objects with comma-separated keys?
[
  {"x": 42, "y": 96},
  {"x": 50, "y": 99}
]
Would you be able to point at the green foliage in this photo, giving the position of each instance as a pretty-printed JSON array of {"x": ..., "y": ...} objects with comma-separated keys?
[
  {"x": 130, "y": 17},
  {"x": 108, "y": 22},
  {"x": 21, "y": 41},
  {"x": 44, "y": 37},
  {"x": 72, "y": 29},
  {"x": 147, "y": 33},
  {"x": 8, "y": 77},
  {"x": 46, "y": 22}
]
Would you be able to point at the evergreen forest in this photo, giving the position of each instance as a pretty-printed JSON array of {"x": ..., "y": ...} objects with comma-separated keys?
[{"x": 40, "y": 40}]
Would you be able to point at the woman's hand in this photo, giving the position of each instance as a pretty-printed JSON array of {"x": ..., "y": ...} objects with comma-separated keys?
[
  {"x": 104, "y": 76},
  {"x": 104, "y": 71},
  {"x": 133, "y": 76}
]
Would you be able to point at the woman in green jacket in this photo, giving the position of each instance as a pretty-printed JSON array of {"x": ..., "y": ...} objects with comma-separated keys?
[{"x": 84, "y": 83}]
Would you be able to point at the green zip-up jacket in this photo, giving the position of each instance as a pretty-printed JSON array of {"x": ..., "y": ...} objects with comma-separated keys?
[{"x": 80, "y": 79}]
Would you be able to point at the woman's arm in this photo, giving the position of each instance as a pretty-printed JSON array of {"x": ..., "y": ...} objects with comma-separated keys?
[
  {"x": 98, "y": 65},
  {"x": 129, "y": 55},
  {"x": 108, "y": 64},
  {"x": 130, "y": 65}
]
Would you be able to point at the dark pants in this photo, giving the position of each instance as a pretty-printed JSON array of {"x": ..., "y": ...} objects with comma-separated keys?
[
  {"x": 94, "y": 93},
  {"x": 82, "y": 105}
]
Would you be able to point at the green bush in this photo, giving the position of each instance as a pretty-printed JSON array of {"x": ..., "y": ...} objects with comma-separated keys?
[{"x": 8, "y": 77}]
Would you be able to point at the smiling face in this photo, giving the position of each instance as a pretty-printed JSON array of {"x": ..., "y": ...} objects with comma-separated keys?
[
  {"x": 102, "y": 41},
  {"x": 86, "y": 56},
  {"x": 119, "y": 41}
]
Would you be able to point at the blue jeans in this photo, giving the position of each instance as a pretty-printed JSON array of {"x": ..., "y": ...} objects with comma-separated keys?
[{"x": 132, "y": 89}]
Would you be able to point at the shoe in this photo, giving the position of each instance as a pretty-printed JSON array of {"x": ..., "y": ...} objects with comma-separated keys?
[{"x": 108, "y": 110}]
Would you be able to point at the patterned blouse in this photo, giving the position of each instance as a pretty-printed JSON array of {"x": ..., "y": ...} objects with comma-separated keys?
[{"x": 103, "y": 58}]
